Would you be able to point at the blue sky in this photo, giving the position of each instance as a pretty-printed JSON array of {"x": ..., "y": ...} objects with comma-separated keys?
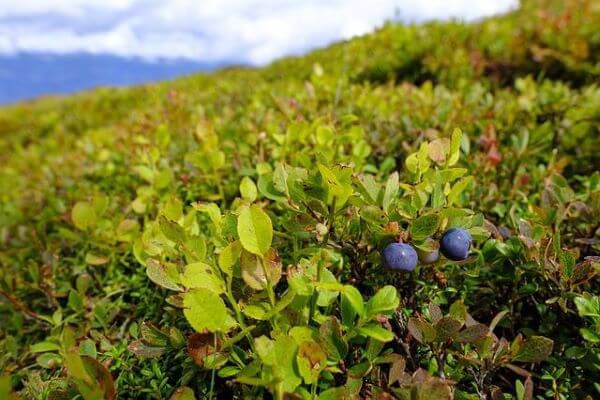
[{"x": 232, "y": 31}]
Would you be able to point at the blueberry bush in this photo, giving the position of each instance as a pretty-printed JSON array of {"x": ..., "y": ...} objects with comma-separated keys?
[{"x": 411, "y": 214}]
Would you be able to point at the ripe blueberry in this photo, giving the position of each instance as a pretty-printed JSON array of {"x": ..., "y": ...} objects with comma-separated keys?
[
  {"x": 400, "y": 256},
  {"x": 455, "y": 244},
  {"x": 504, "y": 232}
]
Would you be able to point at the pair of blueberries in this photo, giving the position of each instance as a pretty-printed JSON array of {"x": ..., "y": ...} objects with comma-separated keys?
[{"x": 455, "y": 245}]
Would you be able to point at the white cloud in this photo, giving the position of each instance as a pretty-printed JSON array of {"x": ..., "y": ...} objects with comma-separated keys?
[{"x": 244, "y": 31}]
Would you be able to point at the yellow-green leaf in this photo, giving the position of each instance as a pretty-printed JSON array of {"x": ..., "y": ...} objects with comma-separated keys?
[
  {"x": 424, "y": 226},
  {"x": 454, "y": 147},
  {"x": 255, "y": 230},
  {"x": 248, "y": 189},
  {"x": 95, "y": 259},
  {"x": 83, "y": 215},
  {"x": 204, "y": 309},
  {"x": 229, "y": 256},
  {"x": 159, "y": 274},
  {"x": 201, "y": 275},
  {"x": 457, "y": 189}
]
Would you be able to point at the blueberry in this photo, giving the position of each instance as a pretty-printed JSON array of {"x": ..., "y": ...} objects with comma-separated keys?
[
  {"x": 455, "y": 244},
  {"x": 504, "y": 232},
  {"x": 400, "y": 256},
  {"x": 429, "y": 257}
]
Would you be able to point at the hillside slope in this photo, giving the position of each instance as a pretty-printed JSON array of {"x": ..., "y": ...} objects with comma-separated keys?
[{"x": 210, "y": 186}]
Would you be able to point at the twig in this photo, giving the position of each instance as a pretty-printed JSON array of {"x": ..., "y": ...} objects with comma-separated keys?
[{"x": 22, "y": 307}]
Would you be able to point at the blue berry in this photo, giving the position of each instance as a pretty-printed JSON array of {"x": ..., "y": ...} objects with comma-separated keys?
[
  {"x": 504, "y": 232},
  {"x": 400, "y": 256},
  {"x": 455, "y": 244},
  {"x": 429, "y": 257}
]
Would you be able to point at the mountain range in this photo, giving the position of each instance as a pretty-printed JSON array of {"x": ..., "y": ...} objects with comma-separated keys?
[{"x": 28, "y": 75}]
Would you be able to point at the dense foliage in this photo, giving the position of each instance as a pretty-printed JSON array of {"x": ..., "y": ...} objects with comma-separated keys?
[{"x": 222, "y": 235}]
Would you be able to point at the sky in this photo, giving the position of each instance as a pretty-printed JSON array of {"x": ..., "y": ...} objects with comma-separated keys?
[{"x": 210, "y": 31}]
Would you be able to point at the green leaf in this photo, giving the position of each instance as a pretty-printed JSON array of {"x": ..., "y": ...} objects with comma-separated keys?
[
  {"x": 424, "y": 226},
  {"x": 458, "y": 311},
  {"x": 284, "y": 301},
  {"x": 450, "y": 174},
  {"x": 248, "y": 189},
  {"x": 172, "y": 230},
  {"x": 6, "y": 388},
  {"x": 331, "y": 339},
  {"x": 328, "y": 288},
  {"x": 376, "y": 332},
  {"x": 454, "y": 153},
  {"x": 280, "y": 354},
  {"x": 280, "y": 177},
  {"x": 418, "y": 163},
  {"x": 255, "y": 230},
  {"x": 48, "y": 360},
  {"x": 588, "y": 307},
  {"x": 520, "y": 390},
  {"x": 535, "y": 349},
  {"x": 101, "y": 385},
  {"x": 201, "y": 275},
  {"x": 591, "y": 335},
  {"x": 267, "y": 188},
  {"x": 194, "y": 249},
  {"x": 258, "y": 311},
  {"x": 369, "y": 187},
  {"x": 94, "y": 259},
  {"x": 204, "y": 309},
  {"x": 384, "y": 301},
  {"x": 173, "y": 209},
  {"x": 183, "y": 393},
  {"x": 100, "y": 204},
  {"x": 213, "y": 212},
  {"x": 145, "y": 173},
  {"x": 338, "y": 183},
  {"x": 335, "y": 393},
  {"x": 229, "y": 256},
  {"x": 42, "y": 347},
  {"x": 83, "y": 215},
  {"x": 347, "y": 313},
  {"x": 75, "y": 366},
  {"x": 437, "y": 196},
  {"x": 159, "y": 274},
  {"x": 285, "y": 351},
  {"x": 228, "y": 372},
  {"x": 153, "y": 335},
  {"x": 354, "y": 298},
  {"x": 457, "y": 189},
  {"x": 391, "y": 191}
]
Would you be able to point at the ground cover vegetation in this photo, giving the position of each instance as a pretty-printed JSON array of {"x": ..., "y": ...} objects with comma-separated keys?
[{"x": 411, "y": 214}]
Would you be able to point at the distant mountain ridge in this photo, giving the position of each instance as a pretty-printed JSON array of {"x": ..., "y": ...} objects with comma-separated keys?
[{"x": 28, "y": 75}]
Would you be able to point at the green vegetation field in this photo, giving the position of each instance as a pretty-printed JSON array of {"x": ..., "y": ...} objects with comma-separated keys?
[{"x": 221, "y": 235}]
